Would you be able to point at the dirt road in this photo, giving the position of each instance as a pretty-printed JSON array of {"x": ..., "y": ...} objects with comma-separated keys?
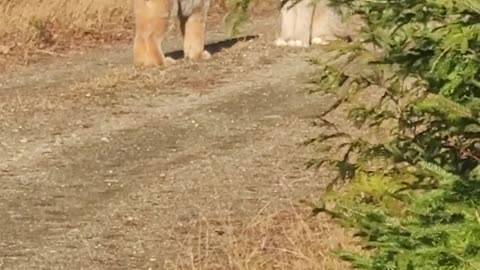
[{"x": 104, "y": 166}]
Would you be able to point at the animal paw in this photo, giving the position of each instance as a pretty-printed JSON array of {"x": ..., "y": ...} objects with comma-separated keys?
[
  {"x": 205, "y": 55},
  {"x": 169, "y": 61},
  {"x": 297, "y": 43},
  {"x": 302, "y": 44},
  {"x": 319, "y": 41},
  {"x": 280, "y": 42}
]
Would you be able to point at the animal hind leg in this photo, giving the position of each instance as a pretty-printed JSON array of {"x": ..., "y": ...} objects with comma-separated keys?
[
  {"x": 326, "y": 23},
  {"x": 288, "y": 18},
  {"x": 193, "y": 30},
  {"x": 303, "y": 24}
]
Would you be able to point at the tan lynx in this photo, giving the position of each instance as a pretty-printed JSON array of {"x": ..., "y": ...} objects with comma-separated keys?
[
  {"x": 151, "y": 24},
  {"x": 307, "y": 23}
]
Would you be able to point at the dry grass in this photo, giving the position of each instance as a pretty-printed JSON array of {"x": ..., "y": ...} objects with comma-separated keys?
[
  {"x": 287, "y": 240},
  {"x": 30, "y": 18},
  {"x": 32, "y": 29}
]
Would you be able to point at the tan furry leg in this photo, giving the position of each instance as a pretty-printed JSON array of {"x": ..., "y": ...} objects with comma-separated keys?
[
  {"x": 151, "y": 26},
  {"x": 193, "y": 30},
  {"x": 139, "y": 51}
]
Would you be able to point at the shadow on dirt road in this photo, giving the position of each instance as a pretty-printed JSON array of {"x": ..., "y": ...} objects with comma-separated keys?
[{"x": 216, "y": 47}]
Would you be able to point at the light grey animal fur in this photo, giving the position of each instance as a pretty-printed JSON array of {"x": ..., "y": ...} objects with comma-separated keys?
[{"x": 307, "y": 23}]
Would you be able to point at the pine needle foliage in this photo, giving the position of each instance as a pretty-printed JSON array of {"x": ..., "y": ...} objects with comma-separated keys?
[
  {"x": 421, "y": 209},
  {"x": 237, "y": 15}
]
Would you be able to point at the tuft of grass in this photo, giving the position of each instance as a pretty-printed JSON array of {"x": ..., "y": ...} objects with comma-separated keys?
[
  {"x": 285, "y": 240},
  {"x": 30, "y": 30},
  {"x": 44, "y": 23}
]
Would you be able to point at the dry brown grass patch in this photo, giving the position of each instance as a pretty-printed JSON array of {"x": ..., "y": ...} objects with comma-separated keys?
[
  {"x": 30, "y": 30},
  {"x": 288, "y": 240}
]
